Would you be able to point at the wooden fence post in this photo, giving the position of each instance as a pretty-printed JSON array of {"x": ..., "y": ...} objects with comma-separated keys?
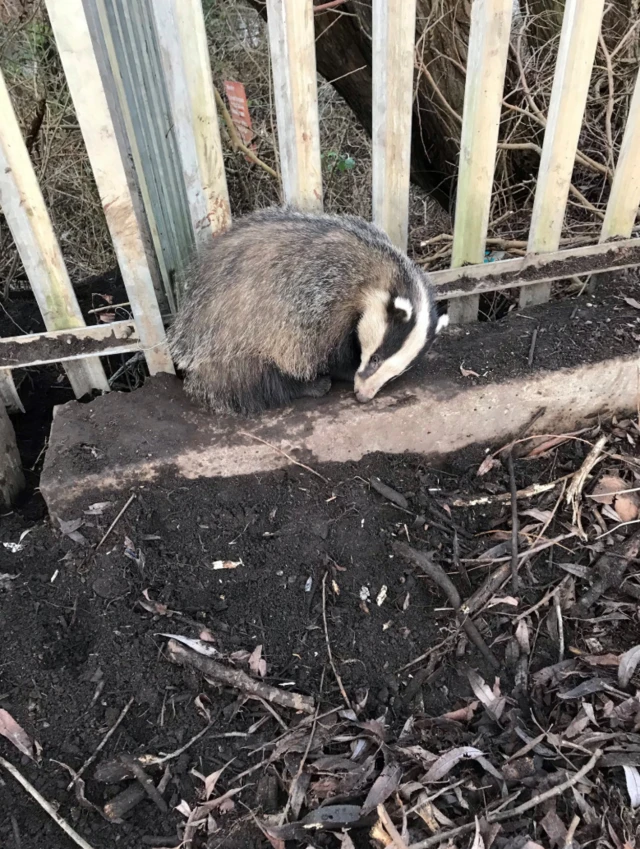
[
  {"x": 624, "y": 199},
  {"x": 486, "y": 69},
  {"x": 78, "y": 57},
  {"x": 11, "y": 475},
  {"x": 293, "y": 63},
  {"x": 394, "y": 32},
  {"x": 187, "y": 70},
  {"x": 576, "y": 53},
  {"x": 28, "y": 219}
]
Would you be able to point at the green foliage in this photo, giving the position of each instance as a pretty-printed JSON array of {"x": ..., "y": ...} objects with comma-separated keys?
[{"x": 338, "y": 161}]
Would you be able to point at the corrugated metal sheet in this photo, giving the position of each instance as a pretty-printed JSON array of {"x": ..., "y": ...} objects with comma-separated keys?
[{"x": 128, "y": 34}]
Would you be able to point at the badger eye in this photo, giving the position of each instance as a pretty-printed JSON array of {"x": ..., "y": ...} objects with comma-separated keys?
[{"x": 375, "y": 360}]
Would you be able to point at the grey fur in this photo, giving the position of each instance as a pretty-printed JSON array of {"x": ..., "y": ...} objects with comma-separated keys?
[{"x": 272, "y": 305}]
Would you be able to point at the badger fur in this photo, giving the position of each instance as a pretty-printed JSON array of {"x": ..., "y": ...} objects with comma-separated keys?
[{"x": 285, "y": 300}]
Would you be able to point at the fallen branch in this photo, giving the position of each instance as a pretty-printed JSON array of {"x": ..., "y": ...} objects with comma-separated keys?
[
  {"x": 46, "y": 806},
  {"x": 611, "y": 568},
  {"x": 236, "y": 678},
  {"x": 116, "y": 520},
  {"x": 437, "y": 574}
]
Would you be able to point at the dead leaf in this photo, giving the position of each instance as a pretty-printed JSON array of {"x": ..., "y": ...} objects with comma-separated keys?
[
  {"x": 152, "y": 606},
  {"x": 207, "y": 636},
  {"x": 257, "y": 664},
  {"x": 487, "y": 464},
  {"x": 628, "y": 664},
  {"x": 384, "y": 786},
  {"x": 227, "y": 564},
  {"x": 465, "y": 372},
  {"x": 446, "y": 762},
  {"x": 633, "y": 785},
  {"x": 15, "y": 734},
  {"x": 107, "y": 317},
  {"x": 198, "y": 646},
  {"x": 632, "y": 303},
  {"x": 541, "y": 515},
  {"x": 464, "y": 714},
  {"x": 493, "y": 701},
  {"x": 507, "y": 599},
  {"x": 70, "y": 529},
  {"x": 610, "y": 490},
  {"x": 98, "y": 508},
  {"x": 543, "y": 447},
  {"x": 555, "y": 829}
]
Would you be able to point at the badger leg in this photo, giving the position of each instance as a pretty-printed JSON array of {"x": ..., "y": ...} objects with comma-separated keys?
[
  {"x": 278, "y": 388},
  {"x": 316, "y": 388}
]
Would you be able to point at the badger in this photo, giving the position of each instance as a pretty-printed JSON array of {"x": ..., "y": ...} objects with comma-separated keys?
[{"x": 285, "y": 301}]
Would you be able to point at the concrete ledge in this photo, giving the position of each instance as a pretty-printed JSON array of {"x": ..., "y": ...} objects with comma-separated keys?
[{"x": 123, "y": 439}]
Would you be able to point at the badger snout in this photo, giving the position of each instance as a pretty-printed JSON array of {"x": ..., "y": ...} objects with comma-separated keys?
[{"x": 362, "y": 397}]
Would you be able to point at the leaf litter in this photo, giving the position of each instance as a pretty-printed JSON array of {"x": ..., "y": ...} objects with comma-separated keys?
[{"x": 544, "y": 748}]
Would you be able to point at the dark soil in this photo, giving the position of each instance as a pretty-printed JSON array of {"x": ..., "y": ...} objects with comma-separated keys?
[
  {"x": 81, "y": 629},
  {"x": 78, "y": 643}
]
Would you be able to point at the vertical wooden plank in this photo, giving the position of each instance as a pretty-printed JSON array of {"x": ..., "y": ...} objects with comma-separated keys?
[
  {"x": 28, "y": 219},
  {"x": 11, "y": 475},
  {"x": 486, "y": 68},
  {"x": 293, "y": 63},
  {"x": 393, "y": 35},
  {"x": 78, "y": 58},
  {"x": 576, "y": 53},
  {"x": 185, "y": 58},
  {"x": 624, "y": 199},
  {"x": 9, "y": 397}
]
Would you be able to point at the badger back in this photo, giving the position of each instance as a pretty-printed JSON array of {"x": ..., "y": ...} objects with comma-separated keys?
[{"x": 279, "y": 286}]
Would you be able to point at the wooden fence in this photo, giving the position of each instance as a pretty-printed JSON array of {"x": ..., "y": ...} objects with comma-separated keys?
[{"x": 116, "y": 97}]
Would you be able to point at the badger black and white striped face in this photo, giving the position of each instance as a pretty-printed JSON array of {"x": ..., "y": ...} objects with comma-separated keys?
[{"x": 393, "y": 332}]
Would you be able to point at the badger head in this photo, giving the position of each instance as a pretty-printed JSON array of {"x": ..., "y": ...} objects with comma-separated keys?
[{"x": 395, "y": 328}]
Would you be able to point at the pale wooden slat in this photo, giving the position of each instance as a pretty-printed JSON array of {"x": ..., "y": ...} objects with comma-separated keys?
[
  {"x": 393, "y": 30},
  {"x": 11, "y": 475},
  {"x": 185, "y": 57},
  {"x": 293, "y": 63},
  {"x": 624, "y": 199},
  {"x": 9, "y": 397},
  {"x": 78, "y": 58},
  {"x": 535, "y": 269},
  {"x": 35, "y": 349},
  {"x": 28, "y": 219},
  {"x": 486, "y": 68},
  {"x": 577, "y": 50}
]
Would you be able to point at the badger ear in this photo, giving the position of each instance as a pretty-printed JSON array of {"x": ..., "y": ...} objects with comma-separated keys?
[
  {"x": 443, "y": 321},
  {"x": 403, "y": 307}
]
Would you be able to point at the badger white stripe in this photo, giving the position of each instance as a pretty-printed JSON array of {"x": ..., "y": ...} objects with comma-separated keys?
[
  {"x": 404, "y": 305},
  {"x": 403, "y": 358}
]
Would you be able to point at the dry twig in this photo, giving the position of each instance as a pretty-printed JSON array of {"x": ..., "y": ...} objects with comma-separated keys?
[
  {"x": 236, "y": 678},
  {"x": 101, "y": 744}
]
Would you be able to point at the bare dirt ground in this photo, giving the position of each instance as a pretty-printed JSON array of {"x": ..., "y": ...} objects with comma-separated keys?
[{"x": 524, "y": 726}]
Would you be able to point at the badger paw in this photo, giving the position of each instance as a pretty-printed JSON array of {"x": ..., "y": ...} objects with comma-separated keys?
[{"x": 317, "y": 388}]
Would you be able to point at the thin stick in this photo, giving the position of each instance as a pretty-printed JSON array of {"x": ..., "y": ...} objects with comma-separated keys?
[
  {"x": 514, "y": 525},
  {"x": 101, "y": 744},
  {"x": 55, "y": 816},
  {"x": 326, "y": 636},
  {"x": 236, "y": 142},
  {"x": 220, "y": 674},
  {"x": 528, "y": 492},
  {"x": 145, "y": 781},
  {"x": 501, "y": 816},
  {"x": 611, "y": 569},
  {"x": 284, "y": 454},
  {"x": 532, "y": 349},
  {"x": 325, "y": 6},
  {"x": 442, "y": 580},
  {"x": 116, "y": 520},
  {"x": 162, "y": 760},
  {"x": 392, "y": 831},
  {"x": 545, "y": 598}
]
